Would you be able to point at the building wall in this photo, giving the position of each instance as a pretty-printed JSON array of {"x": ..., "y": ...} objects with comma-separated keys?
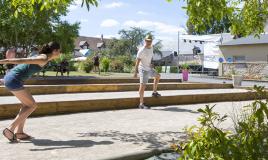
[{"x": 252, "y": 53}]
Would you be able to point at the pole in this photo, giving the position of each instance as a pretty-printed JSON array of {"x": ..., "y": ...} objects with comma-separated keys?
[{"x": 178, "y": 62}]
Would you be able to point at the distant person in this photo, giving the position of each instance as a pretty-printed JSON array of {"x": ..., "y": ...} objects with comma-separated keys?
[
  {"x": 14, "y": 80},
  {"x": 10, "y": 54},
  {"x": 96, "y": 63},
  {"x": 34, "y": 51},
  {"x": 144, "y": 68}
]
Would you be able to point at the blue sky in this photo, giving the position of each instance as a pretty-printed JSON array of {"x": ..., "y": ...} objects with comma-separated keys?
[{"x": 164, "y": 18}]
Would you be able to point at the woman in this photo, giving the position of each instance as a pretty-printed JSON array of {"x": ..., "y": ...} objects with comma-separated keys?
[
  {"x": 14, "y": 82},
  {"x": 96, "y": 63}
]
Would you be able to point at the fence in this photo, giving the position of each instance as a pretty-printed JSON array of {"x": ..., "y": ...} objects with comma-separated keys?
[{"x": 250, "y": 70}]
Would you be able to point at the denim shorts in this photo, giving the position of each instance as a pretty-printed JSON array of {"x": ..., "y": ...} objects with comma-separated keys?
[
  {"x": 145, "y": 75},
  {"x": 12, "y": 82}
]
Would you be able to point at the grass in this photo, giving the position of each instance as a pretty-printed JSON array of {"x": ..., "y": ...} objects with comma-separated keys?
[{"x": 76, "y": 73}]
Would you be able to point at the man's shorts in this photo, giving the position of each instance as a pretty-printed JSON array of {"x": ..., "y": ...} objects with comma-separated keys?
[{"x": 145, "y": 75}]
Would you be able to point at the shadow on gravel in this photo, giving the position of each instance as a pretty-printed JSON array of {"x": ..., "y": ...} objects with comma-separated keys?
[
  {"x": 51, "y": 145},
  {"x": 154, "y": 139},
  {"x": 175, "y": 109}
]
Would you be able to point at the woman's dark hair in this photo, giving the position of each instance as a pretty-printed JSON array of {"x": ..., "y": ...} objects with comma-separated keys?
[{"x": 49, "y": 47}]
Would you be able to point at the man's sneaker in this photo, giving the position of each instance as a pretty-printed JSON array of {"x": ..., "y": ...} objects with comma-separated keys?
[
  {"x": 156, "y": 94},
  {"x": 142, "y": 106}
]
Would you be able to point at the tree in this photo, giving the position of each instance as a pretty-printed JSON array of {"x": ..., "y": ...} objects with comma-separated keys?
[
  {"x": 157, "y": 48},
  {"x": 134, "y": 37},
  {"x": 118, "y": 47},
  {"x": 28, "y": 6},
  {"x": 249, "y": 19},
  {"x": 40, "y": 27},
  {"x": 130, "y": 40},
  {"x": 217, "y": 27}
]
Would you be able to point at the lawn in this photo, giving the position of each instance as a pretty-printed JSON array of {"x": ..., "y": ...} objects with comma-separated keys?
[{"x": 76, "y": 73}]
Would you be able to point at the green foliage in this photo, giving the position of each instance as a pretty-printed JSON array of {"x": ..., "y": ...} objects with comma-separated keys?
[
  {"x": 249, "y": 19},
  {"x": 157, "y": 48},
  {"x": 27, "y": 7},
  {"x": 118, "y": 47},
  {"x": 222, "y": 26},
  {"x": 128, "y": 69},
  {"x": 87, "y": 65},
  {"x": 39, "y": 27},
  {"x": 249, "y": 141},
  {"x": 158, "y": 69},
  {"x": 122, "y": 64},
  {"x": 185, "y": 66},
  {"x": 127, "y": 60},
  {"x": 76, "y": 66},
  {"x": 133, "y": 38},
  {"x": 105, "y": 64},
  {"x": 174, "y": 69},
  {"x": 117, "y": 66},
  {"x": 127, "y": 45}
]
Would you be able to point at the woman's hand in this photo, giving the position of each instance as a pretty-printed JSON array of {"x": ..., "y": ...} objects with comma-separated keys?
[{"x": 3, "y": 61}]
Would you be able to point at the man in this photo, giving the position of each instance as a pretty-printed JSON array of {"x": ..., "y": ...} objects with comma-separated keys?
[{"x": 144, "y": 67}]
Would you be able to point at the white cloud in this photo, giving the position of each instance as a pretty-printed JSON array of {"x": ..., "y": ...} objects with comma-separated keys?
[
  {"x": 170, "y": 43},
  {"x": 165, "y": 32},
  {"x": 114, "y": 5},
  {"x": 83, "y": 20},
  {"x": 142, "y": 13},
  {"x": 109, "y": 23},
  {"x": 155, "y": 26}
]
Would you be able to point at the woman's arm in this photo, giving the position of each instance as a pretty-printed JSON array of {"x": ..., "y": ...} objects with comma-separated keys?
[{"x": 41, "y": 59}]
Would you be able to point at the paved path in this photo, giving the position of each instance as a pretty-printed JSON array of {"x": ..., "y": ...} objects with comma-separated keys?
[
  {"x": 114, "y": 95},
  {"x": 206, "y": 79},
  {"x": 100, "y": 135}
]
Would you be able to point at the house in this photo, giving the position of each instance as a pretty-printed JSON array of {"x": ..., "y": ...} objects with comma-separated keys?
[
  {"x": 84, "y": 46},
  {"x": 245, "y": 49},
  {"x": 166, "y": 59}
]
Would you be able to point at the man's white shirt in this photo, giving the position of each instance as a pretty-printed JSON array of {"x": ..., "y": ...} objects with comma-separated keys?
[{"x": 146, "y": 55}]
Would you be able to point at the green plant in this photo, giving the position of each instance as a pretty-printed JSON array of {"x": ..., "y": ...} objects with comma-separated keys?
[
  {"x": 173, "y": 69},
  {"x": 117, "y": 66},
  {"x": 249, "y": 141},
  {"x": 185, "y": 66},
  {"x": 76, "y": 66},
  {"x": 158, "y": 69},
  {"x": 128, "y": 69},
  {"x": 87, "y": 65},
  {"x": 105, "y": 63}
]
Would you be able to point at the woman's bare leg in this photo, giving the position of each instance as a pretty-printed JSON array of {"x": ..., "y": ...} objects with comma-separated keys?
[{"x": 27, "y": 108}]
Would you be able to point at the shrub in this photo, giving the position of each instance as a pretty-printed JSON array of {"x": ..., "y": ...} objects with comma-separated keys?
[
  {"x": 185, "y": 66},
  {"x": 128, "y": 69},
  {"x": 105, "y": 63},
  {"x": 249, "y": 141},
  {"x": 117, "y": 66},
  {"x": 72, "y": 66},
  {"x": 76, "y": 66},
  {"x": 158, "y": 69},
  {"x": 88, "y": 65},
  {"x": 173, "y": 69},
  {"x": 127, "y": 60}
]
